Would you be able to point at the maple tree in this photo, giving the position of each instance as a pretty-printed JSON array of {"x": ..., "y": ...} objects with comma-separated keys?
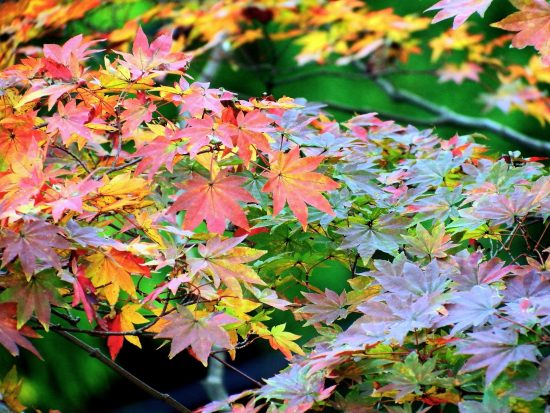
[{"x": 139, "y": 203}]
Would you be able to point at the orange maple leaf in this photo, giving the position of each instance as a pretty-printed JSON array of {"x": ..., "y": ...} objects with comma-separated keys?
[
  {"x": 111, "y": 271},
  {"x": 290, "y": 180},
  {"x": 532, "y": 22},
  {"x": 213, "y": 200}
]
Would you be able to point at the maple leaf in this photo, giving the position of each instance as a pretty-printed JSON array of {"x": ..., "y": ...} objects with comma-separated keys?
[
  {"x": 196, "y": 98},
  {"x": 84, "y": 292},
  {"x": 457, "y": 74},
  {"x": 161, "y": 151},
  {"x": 224, "y": 260},
  {"x": 409, "y": 377},
  {"x": 298, "y": 387},
  {"x": 201, "y": 131},
  {"x": 156, "y": 57},
  {"x": 69, "y": 196},
  {"x": 459, "y": 9},
  {"x": 123, "y": 322},
  {"x": 382, "y": 233},
  {"x": 536, "y": 386},
  {"x": 432, "y": 244},
  {"x": 504, "y": 208},
  {"x": 68, "y": 120},
  {"x": 290, "y": 180},
  {"x": 409, "y": 278},
  {"x": 279, "y": 339},
  {"x": 136, "y": 111},
  {"x": 10, "y": 335},
  {"x": 200, "y": 332},
  {"x": 122, "y": 191},
  {"x": 33, "y": 243},
  {"x": 34, "y": 297},
  {"x": 472, "y": 272},
  {"x": 111, "y": 271},
  {"x": 10, "y": 388},
  {"x": 393, "y": 319},
  {"x": 114, "y": 342},
  {"x": 471, "y": 308},
  {"x": 88, "y": 236},
  {"x": 250, "y": 129},
  {"x": 532, "y": 21},
  {"x": 495, "y": 349},
  {"x": 326, "y": 308},
  {"x": 69, "y": 55},
  {"x": 214, "y": 201}
]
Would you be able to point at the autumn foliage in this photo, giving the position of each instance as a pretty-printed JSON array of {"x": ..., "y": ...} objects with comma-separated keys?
[{"x": 137, "y": 202}]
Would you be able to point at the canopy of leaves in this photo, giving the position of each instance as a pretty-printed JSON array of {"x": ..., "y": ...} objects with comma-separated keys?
[{"x": 144, "y": 203}]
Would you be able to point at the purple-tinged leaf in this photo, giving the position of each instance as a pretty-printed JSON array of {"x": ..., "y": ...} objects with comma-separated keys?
[
  {"x": 34, "y": 242},
  {"x": 471, "y": 272},
  {"x": 401, "y": 315},
  {"x": 529, "y": 285},
  {"x": 533, "y": 387},
  {"x": 505, "y": 208},
  {"x": 471, "y": 406},
  {"x": 326, "y": 308},
  {"x": 200, "y": 333},
  {"x": 495, "y": 349},
  {"x": 430, "y": 282},
  {"x": 381, "y": 234},
  {"x": 471, "y": 308},
  {"x": 89, "y": 236},
  {"x": 297, "y": 388}
]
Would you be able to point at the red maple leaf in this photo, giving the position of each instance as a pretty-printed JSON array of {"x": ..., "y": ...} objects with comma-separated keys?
[
  {"x": 202, "y": 131},
  {"x": 214, "y": 201},
  {"x": 10, "y": 336},
  {"x": 290, "y": 180}
]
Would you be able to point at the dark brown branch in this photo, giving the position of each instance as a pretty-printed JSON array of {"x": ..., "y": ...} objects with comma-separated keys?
[
  {"x": 72, "y": 155},
  {"x": 94, "y": 352}
]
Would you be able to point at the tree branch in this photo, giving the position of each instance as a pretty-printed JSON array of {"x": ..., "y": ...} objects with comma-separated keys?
[
  {"x": 242, "y": 373},
  {"x": 213, "y": 383},
  {"x": 444, "y": 115},
  {"x": 94, "y": 352}
]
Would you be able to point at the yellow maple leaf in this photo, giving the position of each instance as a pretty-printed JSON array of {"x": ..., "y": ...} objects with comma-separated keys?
[
  {"x": 129, "y": 316},
  {"x": 110, "y": 271}
]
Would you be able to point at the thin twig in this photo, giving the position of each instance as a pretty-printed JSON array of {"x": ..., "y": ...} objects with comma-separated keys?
[
  {"x": 72, "y": 155},
  {"x": 242, "y": 373},
  {"x": 94, "y": 352}
]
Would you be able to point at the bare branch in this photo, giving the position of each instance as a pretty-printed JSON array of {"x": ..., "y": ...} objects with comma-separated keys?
[
  {"x": 94, "y": 352},
  {"x": 242, "y": 373},
  {"x": 444, "y": 115},
  {"x": 447, "y": 116}
]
